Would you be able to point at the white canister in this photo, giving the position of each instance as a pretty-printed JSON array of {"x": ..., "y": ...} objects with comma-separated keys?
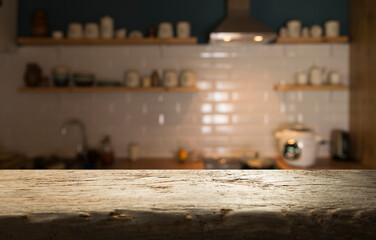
[
  {"x": 107, "y": 27},
  {"x": 301, "y": 78},
  {"x": 294, "y": 28},
  {"x": 334, "y": 78},
  {"x": 121, "y": 33},
  {"x": 170, "y": 78},
  {"x": 332, "y": 28},
  {"x": 316, "y": 31},
  {"x": 75, "y": 30},
  {"x": 91, "y": 31},
  {"x": 132, "y": 79},
  {"x": 187, "y": 78},
  {"x": 183, "y": 29},
  {"x": 165, "y": 30}
]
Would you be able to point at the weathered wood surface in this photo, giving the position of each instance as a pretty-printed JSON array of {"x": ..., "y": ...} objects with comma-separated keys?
[{"x": 187, "y": 204}]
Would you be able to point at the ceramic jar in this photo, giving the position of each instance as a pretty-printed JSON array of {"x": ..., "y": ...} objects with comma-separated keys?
[
  {"x": 132, "y": 79},
  {"x": 39, "y": 26},
  {"x": 165, "y": 30},
  {"x": 75, "y": 30},
  {"x": 183, "y": 29},
  {"x": 33, "y": 75},
  {"x": 170, "y": 78},
  {"x": 107, "y": 27},
  {"x": 187, "y": 78},
  {"x": 91, "y": 31}
]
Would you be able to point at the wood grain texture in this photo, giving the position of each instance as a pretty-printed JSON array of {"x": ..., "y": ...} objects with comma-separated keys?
[
  {"x": 187, "y": 204},
  {"x": 363, "y": 81}
]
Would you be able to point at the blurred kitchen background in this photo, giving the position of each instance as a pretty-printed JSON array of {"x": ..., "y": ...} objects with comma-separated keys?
[{"x": 235, "y": 111}]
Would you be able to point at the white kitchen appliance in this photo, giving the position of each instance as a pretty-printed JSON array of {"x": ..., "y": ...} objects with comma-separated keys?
[{"x": 298, "y": 146}]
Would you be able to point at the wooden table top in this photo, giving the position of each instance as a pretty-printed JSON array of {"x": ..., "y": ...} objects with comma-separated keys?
[{"x": 140, "y": 204}]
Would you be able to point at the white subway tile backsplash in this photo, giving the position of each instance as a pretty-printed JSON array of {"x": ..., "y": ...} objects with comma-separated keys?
[{"x": 235, "y": 110}]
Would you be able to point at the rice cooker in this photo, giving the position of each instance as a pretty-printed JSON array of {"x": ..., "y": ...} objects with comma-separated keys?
[{"x": 298, "y": 146}]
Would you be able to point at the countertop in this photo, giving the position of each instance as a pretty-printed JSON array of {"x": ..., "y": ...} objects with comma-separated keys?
[
  {"x": 165, "y": 163},
  {"x": 140, "y": 204}
]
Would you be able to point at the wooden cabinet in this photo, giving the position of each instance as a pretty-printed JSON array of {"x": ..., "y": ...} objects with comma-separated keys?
[
  {"x": 363, "y": 81},
  {"x": 8, "y": 24}
]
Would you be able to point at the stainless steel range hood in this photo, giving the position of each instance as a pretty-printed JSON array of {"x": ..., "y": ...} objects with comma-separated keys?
[{"x": 239, "y": 27}]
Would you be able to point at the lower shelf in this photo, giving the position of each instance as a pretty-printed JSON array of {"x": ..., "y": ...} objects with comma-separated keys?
[
  {"x": 103, "y": 89},
  {"x": 309, "y": 87}
]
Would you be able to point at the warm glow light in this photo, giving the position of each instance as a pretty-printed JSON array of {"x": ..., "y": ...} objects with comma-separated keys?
[
  {"x": 227, "y": 39},
  {"x": 258, "y": 38},
  {"x": 291, "y": 141}
]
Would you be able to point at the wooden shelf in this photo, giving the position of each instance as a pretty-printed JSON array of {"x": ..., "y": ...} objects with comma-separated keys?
[
  {"x": 103, "y": 89},
  {"x": 66, "y": 41},
  {"x": 309, "y": 87},
  {"x": 342, "y": 39}
]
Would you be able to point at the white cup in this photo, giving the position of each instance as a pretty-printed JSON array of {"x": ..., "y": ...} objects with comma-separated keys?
[
  {"x": 165, "y": 30},
  {"x": 91, "y": 30},
  {"x": 75, "y": 30},
  {"x": 170, "y": 78},
  {"x": 334, "y": 78},
  {"x": 293, "y": 28},
  {"x": 121, "y": 33},
  {"x": 316, "y": 31},
  {"x": 135, "y": 34},
  {"x": 132, "y": 79},
  {"x": 301, "y": 78},
  {"x": 187, "y": 78},
  {"x": 332, "y": 28},
  {"x": 183, "y": 29},
  {"x": 57, "y": 34}
]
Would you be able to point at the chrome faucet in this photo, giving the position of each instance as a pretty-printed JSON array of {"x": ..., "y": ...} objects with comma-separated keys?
[{"x": 64, "y": 130}]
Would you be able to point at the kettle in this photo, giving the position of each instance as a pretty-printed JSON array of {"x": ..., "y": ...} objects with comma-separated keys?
[
  {"x": 317, "y": 75},
  {"x": 298, "y": 145}
]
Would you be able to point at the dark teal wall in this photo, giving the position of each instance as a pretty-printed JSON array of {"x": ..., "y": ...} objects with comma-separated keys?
[{"x": 204, "y": 15}]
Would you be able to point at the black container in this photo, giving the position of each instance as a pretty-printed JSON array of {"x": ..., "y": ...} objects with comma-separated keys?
[{"x": 340, "y": 145}]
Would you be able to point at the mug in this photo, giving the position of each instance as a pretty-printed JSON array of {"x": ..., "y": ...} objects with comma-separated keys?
[
  {"x": 91, "y": 30},
  {"x": 75, "y": 30},
  {"x": 170, "y": 78},
  {"x": 183, "y": 29},
  {"x": 121, "y": 33},
  {"x": 132, "y": 79},
  {"x": 107, "y": 27},
  {"x": 301, "y": 78},
  {"x": 332, "y": 28},
  {"x": 165, "y": 30},
  {"x": 187, "y": 78},
  {"x": 334, "y": 78},
  {"x": 316, "y": 31},
  {"x": 294, "y": 28}
]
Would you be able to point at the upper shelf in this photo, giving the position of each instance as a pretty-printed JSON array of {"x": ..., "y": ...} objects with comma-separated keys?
[
  {"x": 342, "y": 39},
  {"x": 309, "y": 87},
  {"x": 103, "y": 89},
  {"x": 67, "y": 41}
]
